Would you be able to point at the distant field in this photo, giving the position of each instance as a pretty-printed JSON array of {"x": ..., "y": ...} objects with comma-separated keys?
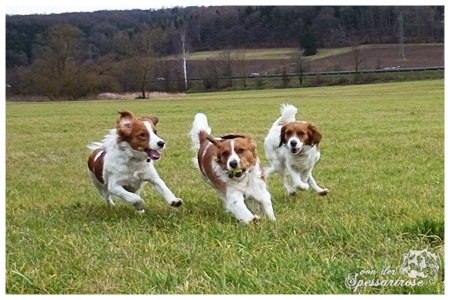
[
  {"x": 283, "y": 53},
  {"x": 273, "y": 53},
  {"x": 382, "y": 160},
  {"x": 270, "y": 53}
]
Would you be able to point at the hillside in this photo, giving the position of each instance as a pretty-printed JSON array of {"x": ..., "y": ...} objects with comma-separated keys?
[
  {"x": 225, "y": 27},
  {"x": 74, "y": 55}
]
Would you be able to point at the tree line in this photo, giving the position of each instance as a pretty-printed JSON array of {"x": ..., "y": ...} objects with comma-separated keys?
[{"x": 74, "y": 55}]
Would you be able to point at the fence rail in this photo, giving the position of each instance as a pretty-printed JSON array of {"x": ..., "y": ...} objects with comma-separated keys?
[{"x": 306, "y": 74}]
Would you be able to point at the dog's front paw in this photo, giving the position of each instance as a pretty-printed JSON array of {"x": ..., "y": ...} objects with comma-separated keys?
[
  {"x": 271, "y": 217},
  {"x": 323, "y": 192},
  {"x": 110, "y": 202},
  {"x": 255, "y": 219},
  {"x": 249, "y": 219},
  {"x": 139, "y": 206},
  {"x": 302, "y": 186},
  {"x": 176, "y": 203}
]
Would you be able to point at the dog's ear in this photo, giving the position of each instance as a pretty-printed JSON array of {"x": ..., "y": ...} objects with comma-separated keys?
[
  {"x": 314, "y": 133},
  {"x": 124, "y": 123},
  {"x": 232, "y": 136},
  {"x": 252, "y": 144},
  {"x": 154, "y": 119},
  {"x": 212, "y": 140},
  {"x": 282, "y": 136},
  {"x": 216, "y": 143}
]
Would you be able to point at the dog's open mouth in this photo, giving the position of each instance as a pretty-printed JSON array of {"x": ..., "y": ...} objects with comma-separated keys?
[
  {"x": 153, "y": 154},
  {"x": 295, "y": 150}
]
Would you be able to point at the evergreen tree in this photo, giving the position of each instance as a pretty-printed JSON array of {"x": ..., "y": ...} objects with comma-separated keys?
[{"x": 308, "y": 43}]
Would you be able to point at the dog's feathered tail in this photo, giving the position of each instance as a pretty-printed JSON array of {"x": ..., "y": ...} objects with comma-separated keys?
[
  {"x": 200, "y": 130},
  {"x": 288, "y": 113},
  {"x": 272, "y": 140}
]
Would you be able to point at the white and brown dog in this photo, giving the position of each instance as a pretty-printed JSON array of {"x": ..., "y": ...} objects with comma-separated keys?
[
  {"x": 292, "y": 148},
  {"x": 231, "y": 165},
  {"x": 122, "y": 163}
]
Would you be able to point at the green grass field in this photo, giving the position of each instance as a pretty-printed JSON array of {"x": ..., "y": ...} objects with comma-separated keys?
[{"x": 382, "y": 160}]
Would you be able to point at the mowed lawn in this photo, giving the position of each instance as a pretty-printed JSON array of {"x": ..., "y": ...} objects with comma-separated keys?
[{"x": 382, "y": 160}]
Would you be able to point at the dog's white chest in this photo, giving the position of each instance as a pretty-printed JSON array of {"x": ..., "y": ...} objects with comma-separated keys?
[{"x": 304, "y": 162}]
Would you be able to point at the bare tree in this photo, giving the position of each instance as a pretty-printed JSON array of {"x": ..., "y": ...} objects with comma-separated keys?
[
  {"x": 184, "y": 53},
  {"x": 59, "y": 70},
  {"x": 285, "y": 77},
  {"x": 211, "y": 79},
  {"x": 226, "y": 59},
  {"x": 139, "y": 49},
  {"x": 300, "y": 63},
  {"x": 241, "y": 63},
  {"x": 357, "y": 59},
  {"x": 163, "y": 71}
]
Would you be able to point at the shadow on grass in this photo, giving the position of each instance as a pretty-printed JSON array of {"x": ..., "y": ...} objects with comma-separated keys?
[
  {"x": 101, "y": 213},
  {"x": 157, "y": 214}
]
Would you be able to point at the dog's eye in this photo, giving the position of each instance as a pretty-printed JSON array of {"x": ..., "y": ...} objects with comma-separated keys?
[
  {"x": 225, "y": 154},
  {"x": 240, "y": 151},
  {"x": 143, "y": 135},
  {"x": 300, "y": 133},
  {"x": 288, "y": 132}
]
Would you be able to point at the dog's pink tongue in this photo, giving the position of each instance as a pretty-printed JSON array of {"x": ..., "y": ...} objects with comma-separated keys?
[{"x": 153, "y": 154}]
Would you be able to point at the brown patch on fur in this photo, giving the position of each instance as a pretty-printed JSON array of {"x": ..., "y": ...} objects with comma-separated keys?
[{"x": 96, "y": 165}]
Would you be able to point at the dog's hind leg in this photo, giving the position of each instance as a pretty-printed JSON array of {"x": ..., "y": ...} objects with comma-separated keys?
[
  {"x": 102, "y": 189},
  {"x": 117, "y": 191}
]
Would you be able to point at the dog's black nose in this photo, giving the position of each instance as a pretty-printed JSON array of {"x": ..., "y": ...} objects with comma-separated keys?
[
  {"x": 233, "y": 164},
  {"x": 161, "y": 144},
  {"x": 293, "y": 143}
]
